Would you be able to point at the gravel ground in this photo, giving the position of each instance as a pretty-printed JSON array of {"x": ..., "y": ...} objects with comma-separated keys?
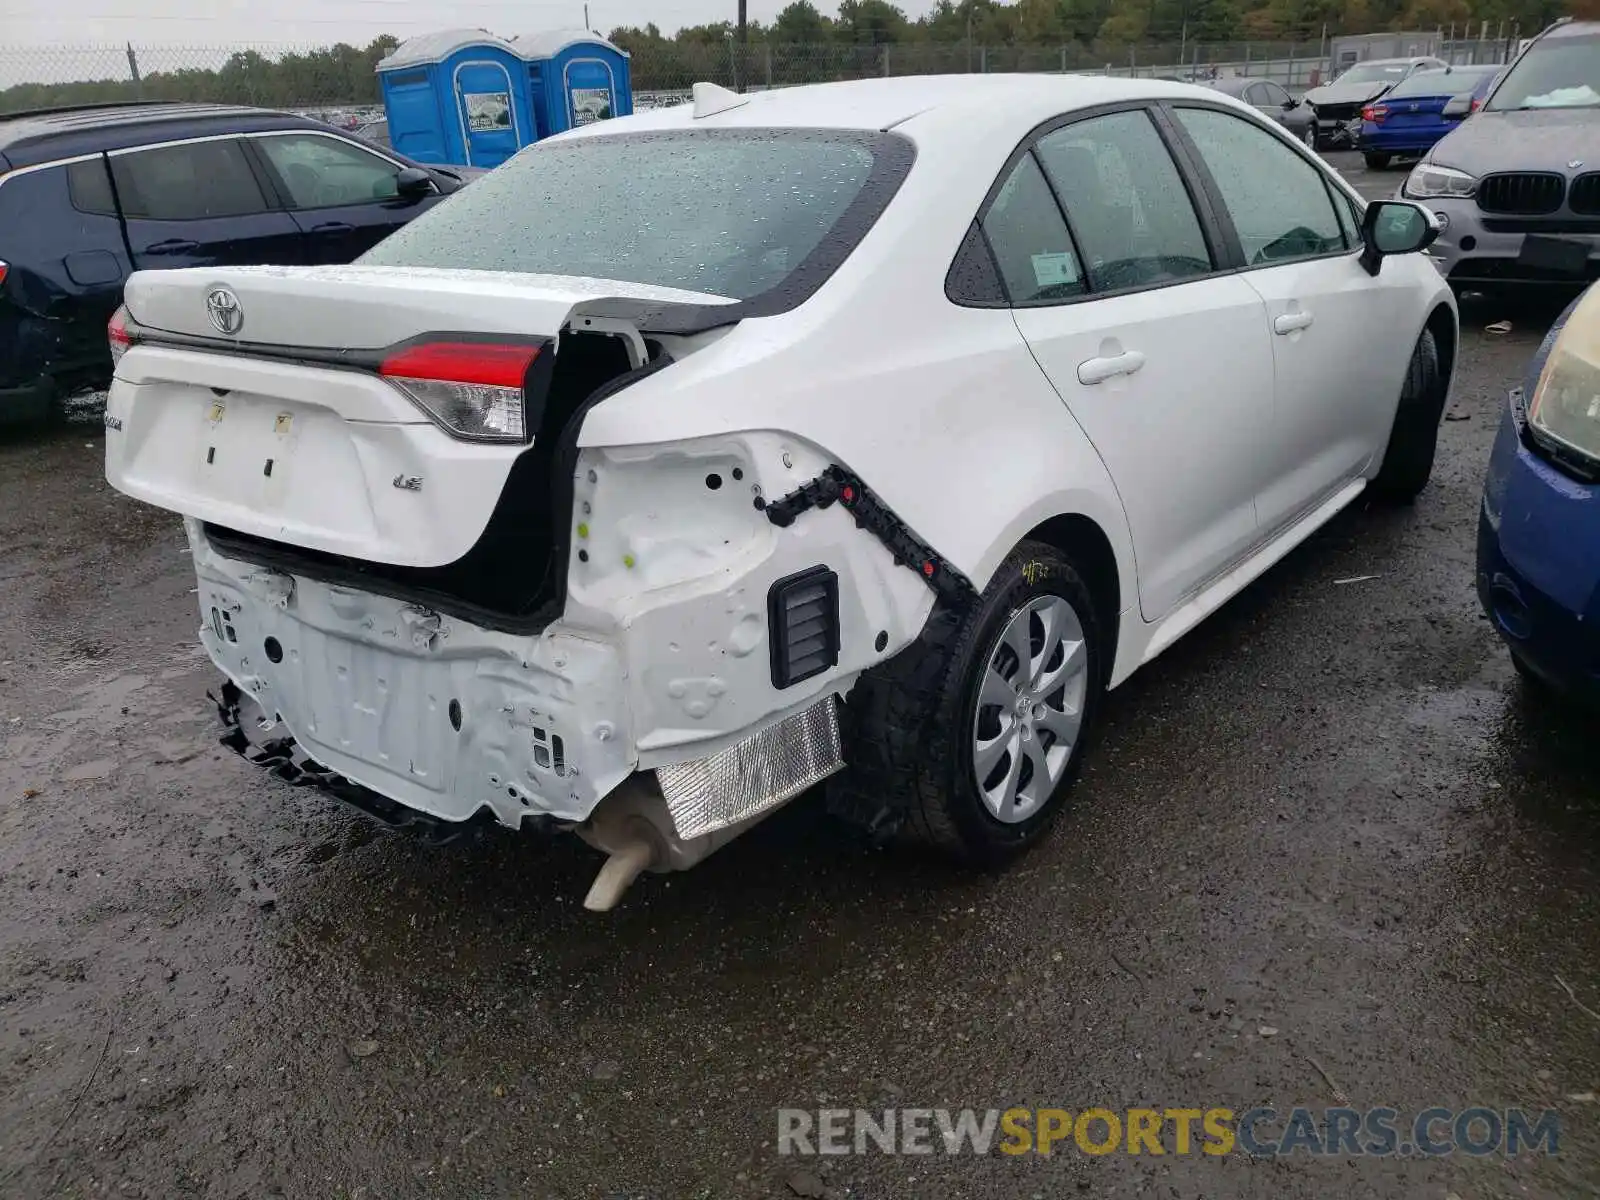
[{"x": 1331, "y": 812}]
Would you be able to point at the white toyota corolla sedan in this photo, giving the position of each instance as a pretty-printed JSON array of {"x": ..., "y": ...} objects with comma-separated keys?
[{"x": 869, "y": 430}]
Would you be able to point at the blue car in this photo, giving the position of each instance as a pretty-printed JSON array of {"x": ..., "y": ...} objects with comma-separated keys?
[
  {"x": 1411, "y": 116},
  {"x": 1539, "y": 527}
]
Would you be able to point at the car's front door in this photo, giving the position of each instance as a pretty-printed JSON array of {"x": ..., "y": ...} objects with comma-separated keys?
[
  {"x": 342, "y": 197},
  {"x": 1164, "y": 363},
  {"x": 1339, "y": 343},
  {"x": 200, "y": 204}
]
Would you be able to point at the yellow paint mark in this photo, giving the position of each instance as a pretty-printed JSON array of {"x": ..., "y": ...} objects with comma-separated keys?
[
  {"x": 1034, "y": 571},
  {"x": 216, "y": 412},
  {"x": 627, "y": 561},
  {"x": 281, "y": 425},
  {"x": 583, "y": 530}
]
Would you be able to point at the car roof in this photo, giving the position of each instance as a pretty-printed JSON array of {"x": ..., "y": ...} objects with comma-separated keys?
[
  {"x": 885, "y": 103},
  {"x": 1234, "y": 85},
  {"x": 46, "y": 135}
]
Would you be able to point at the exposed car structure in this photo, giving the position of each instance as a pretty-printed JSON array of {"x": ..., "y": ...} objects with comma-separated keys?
[
  {"x": 688, "y": 457},
  {"x": 1409, "y": 118},
  {"x": 1337, "y": 105},
  {"x": 1539, "y": 528},
  {"x": 90, "y": 194},
  {"x": 1516, "y": 185}
]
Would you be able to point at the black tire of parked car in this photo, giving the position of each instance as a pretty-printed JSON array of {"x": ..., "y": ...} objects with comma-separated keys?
[
  {"x": 1376, "y": 161},
  {"x": 908, "y": 722},
  {"x": 1414, "y": 436}
]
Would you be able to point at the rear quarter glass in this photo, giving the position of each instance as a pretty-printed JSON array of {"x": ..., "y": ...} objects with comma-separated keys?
[{"x": 762, "y": 216}]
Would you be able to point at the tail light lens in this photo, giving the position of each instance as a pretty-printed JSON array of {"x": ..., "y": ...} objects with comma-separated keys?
[
  {"x": 117, "y": 334},
  {"x": 1564, "y": 414},
  {"x": 472, "y": 389},
  {"x": 1375, "y": 113},
  {"x": 1477, "y": 103},
  {"x": 4, "y": 267}
]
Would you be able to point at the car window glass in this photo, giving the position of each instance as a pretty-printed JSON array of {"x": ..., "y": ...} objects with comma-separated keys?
[
  {"x": 1254, "y": 94},
  {"x": 1030, "y": 239},
  {"x": 1132, "y": 216},
  {"x": 1275, "y": 94},
  {"x": 187, "y": 183},
  {"x": 1555, "y": 72},
  {"x": 90, "y": 188},
  {"x": 735, "y": 213},
  {"x": 1294, "y": 218},
  {"x": 319, "y": 172}
]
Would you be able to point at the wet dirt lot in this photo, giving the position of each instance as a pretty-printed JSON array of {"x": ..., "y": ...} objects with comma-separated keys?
[{"x": 1331, "y": 813}]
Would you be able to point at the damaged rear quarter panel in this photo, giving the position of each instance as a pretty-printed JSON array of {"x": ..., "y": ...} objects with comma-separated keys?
[{"x": 674, "y": 560}]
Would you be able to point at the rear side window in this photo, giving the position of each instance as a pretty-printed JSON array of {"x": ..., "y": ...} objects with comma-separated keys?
[
  {"x": 1030, "y": 239},
  {"x": 735, "y": 213},
  {"x": 90, "y": 188},
  {"x": 193, "y": 182},
  {"x": 1294, "y": 218},
  {"x": 1132, "y": 215}
]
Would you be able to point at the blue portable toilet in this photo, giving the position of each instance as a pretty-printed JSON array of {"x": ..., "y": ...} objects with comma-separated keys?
[
  {"x": 458, "y": 97},
  {"x": 574, "y": 77}
]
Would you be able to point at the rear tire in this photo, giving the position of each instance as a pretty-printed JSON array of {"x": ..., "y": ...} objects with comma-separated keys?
[
  {"x": 1414, "y": 436},
  {"x": 961, "y": 700},
  {"x": 1376, "y": 161}
]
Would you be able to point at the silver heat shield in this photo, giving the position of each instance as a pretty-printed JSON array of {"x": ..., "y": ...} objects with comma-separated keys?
[{"x": 759, "y": 773}]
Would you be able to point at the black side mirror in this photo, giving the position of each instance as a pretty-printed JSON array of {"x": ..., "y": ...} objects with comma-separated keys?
[
  {"x": 1290, "y": 104},
  {"x": 1457, "y": 107},
  {"x": 1395, "y": 227},
  {"x": 413, "y": 183}
]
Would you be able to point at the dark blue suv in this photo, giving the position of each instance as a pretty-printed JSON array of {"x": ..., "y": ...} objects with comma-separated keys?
[{"x": 90, "y": 194}]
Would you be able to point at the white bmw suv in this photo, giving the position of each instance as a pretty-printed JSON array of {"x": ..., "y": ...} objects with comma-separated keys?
[{"x": 869, "y": 430}]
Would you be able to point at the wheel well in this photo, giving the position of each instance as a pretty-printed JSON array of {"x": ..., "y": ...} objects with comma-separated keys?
[
  {"x": 1086, "y": 544},
  {"x": 1444, "y": 335}
]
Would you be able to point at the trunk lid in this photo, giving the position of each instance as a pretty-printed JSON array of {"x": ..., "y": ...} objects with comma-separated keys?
[{"x": 262, "y": 410}]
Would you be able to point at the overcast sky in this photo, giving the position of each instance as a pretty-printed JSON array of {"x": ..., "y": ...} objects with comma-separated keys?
[{"x": 212, "y": 22}]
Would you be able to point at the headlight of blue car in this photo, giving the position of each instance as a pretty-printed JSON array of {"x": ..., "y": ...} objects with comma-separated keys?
[{"x": 1564, "y": 414}]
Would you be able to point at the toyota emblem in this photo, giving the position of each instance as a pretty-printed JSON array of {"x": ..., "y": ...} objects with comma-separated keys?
[{"x": 222, "y": 306}]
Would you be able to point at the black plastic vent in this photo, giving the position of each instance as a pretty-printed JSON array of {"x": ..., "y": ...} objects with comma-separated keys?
[
  {"x": 1585, "y": 194},
  {"x": 1529, "y": 192},
  {"x": 803, "y": 624}
]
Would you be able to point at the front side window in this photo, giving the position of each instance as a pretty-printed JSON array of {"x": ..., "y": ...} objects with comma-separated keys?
[
  {"x": 320, "y": 172},
  {"x": 193, "y": 182},
  {"x": 735, "y": 213},
  {"x": 1555, "y": 72},
  {"x": 1129, "y": 209},
  {"x": 1293, "y": 218},
  {"x": 1275, "y": 94}
]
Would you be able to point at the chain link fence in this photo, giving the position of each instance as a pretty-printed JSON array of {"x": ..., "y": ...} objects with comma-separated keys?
[{"x": 340, "y": 82}]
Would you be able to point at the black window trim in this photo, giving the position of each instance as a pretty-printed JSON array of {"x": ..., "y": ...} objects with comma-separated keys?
[
  {"x": 1220, "y": 241},
  {"x": 1196, "y": 164}
]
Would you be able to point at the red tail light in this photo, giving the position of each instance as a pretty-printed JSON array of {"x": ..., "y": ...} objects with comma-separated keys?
[
  {"x": 486, "y": 363},
  {"x": 117, "y": 334},
  {"x": 4, "y": 267},
  {"x": 1375, "y": 113},
  {"x": 1477, "y": 103},
  {"x": 473, "y": 389}
]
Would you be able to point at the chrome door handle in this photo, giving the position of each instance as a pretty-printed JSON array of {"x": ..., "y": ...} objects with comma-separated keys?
[
  {"x": 1098, "y": 370},
  {"x": 1289, "y": 322}
]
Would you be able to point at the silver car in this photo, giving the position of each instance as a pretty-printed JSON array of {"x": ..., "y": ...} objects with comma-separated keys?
[{"x": 1517, "y": 186}]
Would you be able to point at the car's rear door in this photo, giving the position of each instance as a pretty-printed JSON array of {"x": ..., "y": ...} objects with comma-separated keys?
[
  {"x": 342, "y": 196},
  {"x": 1163, "y": 361},
  {"x": 199, "y": 203},
  {"x": 1338, "y": 339}
]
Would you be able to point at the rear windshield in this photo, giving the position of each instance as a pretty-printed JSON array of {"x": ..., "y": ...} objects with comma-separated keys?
[
  {"x": 735, "y": 213},
  {"x": 1556, "y": 72},
  {"x": 1441, "y": 83}
]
